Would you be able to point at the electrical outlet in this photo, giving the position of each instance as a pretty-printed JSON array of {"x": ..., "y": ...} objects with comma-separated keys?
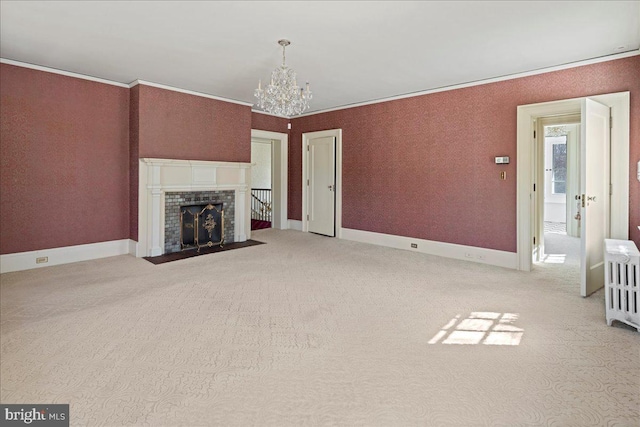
[
  {"x": 414, "y": 245},
  {"x": 42, "y": 260}
]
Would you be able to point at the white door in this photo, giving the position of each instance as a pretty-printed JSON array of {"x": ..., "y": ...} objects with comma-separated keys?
[
  {"x": 594, "y": 182},
  {"x": 321, "y": 185}
]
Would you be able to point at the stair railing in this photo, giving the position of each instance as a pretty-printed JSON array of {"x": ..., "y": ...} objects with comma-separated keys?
[{"x": 261, "y": 204}]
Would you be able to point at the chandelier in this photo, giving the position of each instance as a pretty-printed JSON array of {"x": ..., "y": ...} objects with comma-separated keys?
[
  {"x": 555, "y": 130},
  {"x": 283, "y": 96}
]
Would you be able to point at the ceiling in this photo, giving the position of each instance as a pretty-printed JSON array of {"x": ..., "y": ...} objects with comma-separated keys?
[{"x": 350, "y": 52}]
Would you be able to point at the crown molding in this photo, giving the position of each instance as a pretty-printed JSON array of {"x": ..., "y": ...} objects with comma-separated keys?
[
  {"x": 61, "y": 72},
  {"x": 480, "y": 82},
  {"x": 188, "y": 92},
  {"x": 269, "y": 114},
  {"x": 114, "y": 83},
  {"x": 344, "y": 107}
]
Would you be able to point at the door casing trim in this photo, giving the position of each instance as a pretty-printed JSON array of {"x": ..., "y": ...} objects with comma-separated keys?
[{"x": 279, "y": 175}]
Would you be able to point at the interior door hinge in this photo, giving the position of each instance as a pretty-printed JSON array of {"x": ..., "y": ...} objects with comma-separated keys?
[
  {"x": 307, "y": 183},
  {"x": 307, "y": 148},
  {"x": 534, "y": 240},
  {"x": 611, "y": 122},
  {"x": 610, "y": 189},
  {"x": 307, "y": 217},
  {"x": 534, "y": 187},
  {"x": 534, "y": 133}
]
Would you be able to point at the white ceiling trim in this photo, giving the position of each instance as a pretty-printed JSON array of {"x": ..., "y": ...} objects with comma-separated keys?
[
  {"x": 269, "y": 114},
  {"x": 481, "y": 82},
  {"x": 61, "y": 72},
  {"x": 110, "y": 82},
  {"x": 360, "y": 104},
  {"x": 130, "y": 85},
  {"x": 188, "y": 92}
]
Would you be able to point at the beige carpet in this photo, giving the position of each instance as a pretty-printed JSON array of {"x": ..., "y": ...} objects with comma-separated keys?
[{"x": 309, "y": 330}]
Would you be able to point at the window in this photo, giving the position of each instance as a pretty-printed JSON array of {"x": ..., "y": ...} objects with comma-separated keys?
[{"x": 559, "y": 167}]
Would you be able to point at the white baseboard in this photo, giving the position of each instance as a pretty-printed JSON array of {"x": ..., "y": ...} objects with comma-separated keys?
[
  {"x": 447, "y": 250},
  {"x": 56, "y": 256},
  {"x": 294, "y": 224},
  {"x": 133, "y": 248}
]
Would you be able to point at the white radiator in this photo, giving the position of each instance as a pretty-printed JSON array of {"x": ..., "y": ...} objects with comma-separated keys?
[{"x": 622, "y": 282}]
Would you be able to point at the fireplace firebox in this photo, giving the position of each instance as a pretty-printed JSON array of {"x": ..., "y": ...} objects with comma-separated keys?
[
  {"x": 176, "y": 201},
  {"x": 201, "y": 226}
]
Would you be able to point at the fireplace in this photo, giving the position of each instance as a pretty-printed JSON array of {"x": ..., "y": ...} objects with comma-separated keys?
[
  {"x": 166, "y": 185},
  {"x": 201, "y": 226},
  {"x": 192, "y": 207}
]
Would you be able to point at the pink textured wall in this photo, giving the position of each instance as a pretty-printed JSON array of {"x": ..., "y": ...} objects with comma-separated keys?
[
  {"x": 424, "y": 166},
  {"x": 269, "y": 123},
  {"x": 174, "y": 125},
  {"x": 134, "y": 149},
  {"x": 420, "y": 167},
  {"x": 64, "y": 164}
]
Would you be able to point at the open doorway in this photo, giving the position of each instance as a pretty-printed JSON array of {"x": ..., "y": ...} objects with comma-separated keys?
[
  {"x": 278, "y": 143},
  {"x": 557, "y": 214},
  {"x": 604, "y": 131},
  {"x": 261, "y": 179}
]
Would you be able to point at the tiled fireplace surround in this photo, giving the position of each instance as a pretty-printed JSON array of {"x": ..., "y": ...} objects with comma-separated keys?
[
  {"x": 174, "y": 200},
  {"x": 166, "y": 183}
]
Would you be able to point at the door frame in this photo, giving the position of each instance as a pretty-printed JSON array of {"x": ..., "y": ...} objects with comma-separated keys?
[
  {"x": 526, "y": 117},
  {"x": 279, "y": 175},
  {"x": 337, "y": 134}
]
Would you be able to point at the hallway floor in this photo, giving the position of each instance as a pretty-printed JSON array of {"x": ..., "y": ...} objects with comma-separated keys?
[{"x": 555, "y": 227}]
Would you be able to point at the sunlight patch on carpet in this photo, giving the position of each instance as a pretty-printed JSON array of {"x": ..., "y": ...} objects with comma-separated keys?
[{"x": 480, "y": 327}]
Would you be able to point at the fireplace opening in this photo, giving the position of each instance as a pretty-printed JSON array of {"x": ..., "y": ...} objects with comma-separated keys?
[
  {"x": 175, "y": 202},
  {"x": 201, "y": 226}
]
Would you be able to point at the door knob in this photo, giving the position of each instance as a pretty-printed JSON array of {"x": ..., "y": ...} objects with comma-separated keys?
[{"x": 331, "y": 188}]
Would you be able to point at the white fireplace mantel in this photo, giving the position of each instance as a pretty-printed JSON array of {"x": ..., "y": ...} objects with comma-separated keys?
[{"x": 158, "y": 176}]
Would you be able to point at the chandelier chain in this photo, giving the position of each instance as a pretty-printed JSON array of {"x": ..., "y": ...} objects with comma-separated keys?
[{"x": 283, "y": 55}]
